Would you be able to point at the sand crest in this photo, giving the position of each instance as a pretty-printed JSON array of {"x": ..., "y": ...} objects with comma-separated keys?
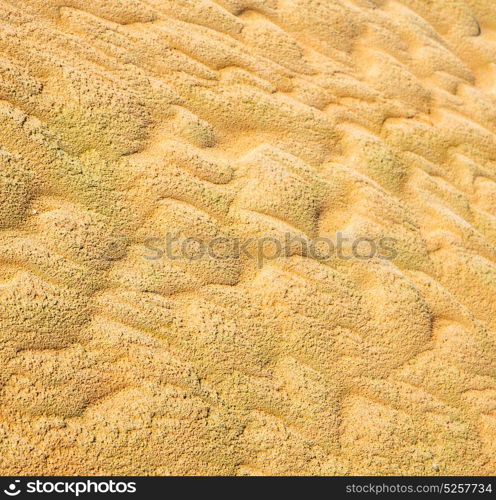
[{"x": 125, "y": 122}]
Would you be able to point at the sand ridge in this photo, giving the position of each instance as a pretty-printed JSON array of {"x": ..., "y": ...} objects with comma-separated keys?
[{"x": 122, "y": 120}]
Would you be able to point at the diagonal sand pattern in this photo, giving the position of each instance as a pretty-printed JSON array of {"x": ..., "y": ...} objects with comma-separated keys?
[{"x": 238, "y": 118}]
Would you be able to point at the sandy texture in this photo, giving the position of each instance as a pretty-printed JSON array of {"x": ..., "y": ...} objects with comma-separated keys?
[{"x": 123, "y": 119}]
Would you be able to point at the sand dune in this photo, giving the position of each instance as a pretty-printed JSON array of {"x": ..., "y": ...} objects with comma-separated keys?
[{"x": 122, "y": 120}]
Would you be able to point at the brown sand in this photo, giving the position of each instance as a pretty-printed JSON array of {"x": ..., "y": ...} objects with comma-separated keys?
[{"x": 373, "y": 118}]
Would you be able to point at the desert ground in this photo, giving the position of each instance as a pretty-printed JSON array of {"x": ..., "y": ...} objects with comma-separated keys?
[{"x": 123, "y": 122}]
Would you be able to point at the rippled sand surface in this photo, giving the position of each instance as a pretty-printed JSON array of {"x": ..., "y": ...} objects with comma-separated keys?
[{"x": 121, "y": 120}]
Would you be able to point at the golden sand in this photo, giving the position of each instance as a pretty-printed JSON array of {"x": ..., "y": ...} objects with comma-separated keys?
[{"x": 124, "y": 119}]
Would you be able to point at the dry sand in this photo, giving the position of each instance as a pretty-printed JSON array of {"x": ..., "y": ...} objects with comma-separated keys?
[{"x": 124, "y": 119}]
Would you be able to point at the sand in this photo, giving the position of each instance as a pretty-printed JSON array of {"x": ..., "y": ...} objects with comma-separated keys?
[{"x": 122, "y": 120}]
